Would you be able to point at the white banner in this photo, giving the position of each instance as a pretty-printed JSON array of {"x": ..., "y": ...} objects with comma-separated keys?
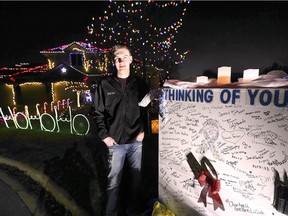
[{"x": 244, "y": 135}]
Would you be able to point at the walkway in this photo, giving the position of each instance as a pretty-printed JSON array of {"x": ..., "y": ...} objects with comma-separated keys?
[{"x": 10, "y": 203}]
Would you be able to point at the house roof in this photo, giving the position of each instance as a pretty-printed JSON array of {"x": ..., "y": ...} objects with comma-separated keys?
[
  {"x": 23, "y": 68},
  {"x": 21, "y": 72},
  {"x": 64, "y": 72},
  {"x": 26, "y": 72},
  {"x": 86, "y": 46}
]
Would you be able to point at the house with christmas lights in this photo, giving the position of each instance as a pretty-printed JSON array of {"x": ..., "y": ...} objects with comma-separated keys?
[{"x": 67, "y": 76}]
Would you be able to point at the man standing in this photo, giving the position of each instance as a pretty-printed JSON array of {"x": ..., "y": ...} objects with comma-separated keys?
[{"x": 121, "y": 126}]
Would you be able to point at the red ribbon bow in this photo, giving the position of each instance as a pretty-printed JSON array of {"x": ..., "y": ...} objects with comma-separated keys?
[{"x": 212, "y": 187}]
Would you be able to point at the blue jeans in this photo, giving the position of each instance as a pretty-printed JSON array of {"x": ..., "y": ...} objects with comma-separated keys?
[{"x": 116, "y": 159}]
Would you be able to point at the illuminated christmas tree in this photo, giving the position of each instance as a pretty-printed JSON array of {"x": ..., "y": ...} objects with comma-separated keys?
[{"x": 148, "y": 27}]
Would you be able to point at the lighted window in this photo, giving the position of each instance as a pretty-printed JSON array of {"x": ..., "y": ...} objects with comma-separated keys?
[{"x": 76, "y": 59}]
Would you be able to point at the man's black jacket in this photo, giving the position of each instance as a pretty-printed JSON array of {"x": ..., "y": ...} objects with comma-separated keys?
[{"x": 117, "y": 112}]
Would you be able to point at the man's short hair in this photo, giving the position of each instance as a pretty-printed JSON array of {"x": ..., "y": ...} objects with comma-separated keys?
[{"x": 117, "y": 47}]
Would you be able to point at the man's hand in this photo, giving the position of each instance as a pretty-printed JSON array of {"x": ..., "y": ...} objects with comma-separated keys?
[
  {"x": 140, "y": 137},
  {"x": 109, "y": 141}
]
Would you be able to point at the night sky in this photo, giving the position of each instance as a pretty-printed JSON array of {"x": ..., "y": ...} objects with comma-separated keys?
[{"x": 240, "y": 34}]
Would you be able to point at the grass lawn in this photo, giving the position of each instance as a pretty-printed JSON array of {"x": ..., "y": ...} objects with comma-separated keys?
[{"x": 64, "y": 158}]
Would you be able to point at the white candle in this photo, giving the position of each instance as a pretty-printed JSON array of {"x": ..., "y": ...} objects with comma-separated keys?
[
  {"x": 224, "y": 75},
  {"x": 250, "y": 74},
  {"x": 202, "y": 79}
]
